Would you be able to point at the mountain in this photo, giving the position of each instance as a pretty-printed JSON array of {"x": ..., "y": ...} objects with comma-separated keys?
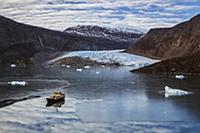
[
  {"x": 166, "y": 43},
  {"x": 114, "y": 34},
  {"x": 189, "y": 64},
  {"x": 20, "y": 41}
]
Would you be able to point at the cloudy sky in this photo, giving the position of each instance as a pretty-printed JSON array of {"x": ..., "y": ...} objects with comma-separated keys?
[{"x": 60, "y": 14}]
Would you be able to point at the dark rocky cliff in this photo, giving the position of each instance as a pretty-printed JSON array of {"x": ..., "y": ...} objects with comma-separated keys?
[{"x": 165, "y": 43}]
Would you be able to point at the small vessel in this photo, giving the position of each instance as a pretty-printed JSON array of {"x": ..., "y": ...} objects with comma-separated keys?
[{"x": 56, "y": 98}]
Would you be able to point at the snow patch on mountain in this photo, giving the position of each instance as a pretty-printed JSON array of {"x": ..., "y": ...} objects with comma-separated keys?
[{"x": 118, "y": 34}]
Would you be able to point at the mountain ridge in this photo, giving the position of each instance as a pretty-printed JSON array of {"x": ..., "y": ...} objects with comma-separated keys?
[
  {"x": 166, "y": 43},
  {"x": 18, "y": 40},
  {"x": 105, "y": 32}
]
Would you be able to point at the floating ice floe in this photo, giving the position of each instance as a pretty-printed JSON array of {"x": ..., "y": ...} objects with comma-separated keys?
[
  {"x": 175, "y": 92},
  {"x": 97, "y": 72},
  {"x": 13, "y": 65},
  {"x": 79, "y": 70},
  {"x": 22, "y": 83},
  {"x": 87, "y": 67},
  {"x": 63, "y": 65},
  {"x": 68, "y": 66},
  {"x": 179, "y": 76}
]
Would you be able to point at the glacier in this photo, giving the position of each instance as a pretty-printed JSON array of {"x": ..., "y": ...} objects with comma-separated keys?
[{"x": 108, "y": 57}]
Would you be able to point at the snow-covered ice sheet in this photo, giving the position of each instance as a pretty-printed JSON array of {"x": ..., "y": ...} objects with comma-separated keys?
[{"x": 109, "y": 56}]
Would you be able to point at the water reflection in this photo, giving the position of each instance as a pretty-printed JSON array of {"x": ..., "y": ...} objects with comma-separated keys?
[
  {"x": 112, "y": 96},
  {"x": 57, "y": 104}
]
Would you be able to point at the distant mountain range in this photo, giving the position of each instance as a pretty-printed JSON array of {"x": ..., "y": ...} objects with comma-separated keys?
[
  {"x": 117, "y": 34},
  {"x": 178, "y": 46},
  {"x": 19, "y": 40}
]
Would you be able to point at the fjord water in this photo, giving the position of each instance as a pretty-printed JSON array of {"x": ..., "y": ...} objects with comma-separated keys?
[{"x": 102, "y": 99}]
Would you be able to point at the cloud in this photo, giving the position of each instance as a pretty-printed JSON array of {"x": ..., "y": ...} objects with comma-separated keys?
[{"x": 60, "y": 14}]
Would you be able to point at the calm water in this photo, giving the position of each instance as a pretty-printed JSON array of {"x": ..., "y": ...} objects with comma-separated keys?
[{"x": 112, "y": 101}]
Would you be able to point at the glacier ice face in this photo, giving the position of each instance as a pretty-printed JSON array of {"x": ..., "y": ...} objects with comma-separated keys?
[
  {"x": 174, "y": 92},
  {"x": 109, "y": 56}
]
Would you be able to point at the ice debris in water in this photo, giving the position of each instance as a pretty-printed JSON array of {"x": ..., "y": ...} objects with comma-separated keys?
[
  {"x": 22, "y": 83},
  {"x": 13, "y": 65},
  {"x": 97, "y": 72},
  {"x": 63, "y": 65},
  {"x": 87, "y": 67},
  {"x": 79, "y": 70},
  {"x": 174, "y": 92},
  {"x": 179, "y": 76},
  {"x": 68, "y": 66}
]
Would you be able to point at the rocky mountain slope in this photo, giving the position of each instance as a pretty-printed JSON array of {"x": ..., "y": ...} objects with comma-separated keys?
[
  {"x": 19, "y": 41},
  {"x": 115, "y": 34},
  {"x": 165, "y": 43},
  {"x": 189, "y": 64}
]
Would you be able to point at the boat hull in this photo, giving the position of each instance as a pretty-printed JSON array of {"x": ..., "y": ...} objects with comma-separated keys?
[{"x": 51, "y": 101}]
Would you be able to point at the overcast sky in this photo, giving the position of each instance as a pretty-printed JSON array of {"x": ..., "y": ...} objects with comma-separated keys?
[{"x": 60, "y": 14}]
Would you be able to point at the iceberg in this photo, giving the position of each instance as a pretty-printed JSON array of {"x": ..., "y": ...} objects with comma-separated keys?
[
  {"x": 175, "y": 92},
  {"x": 22, "y": 83},
  {"x": 13, "y": 65},
  {"x": 87, "y": 67},
  {"x": 79, "y": 70},
  {"x": 63, "y": 65},
  {"x": 97, "y": 72},
  {"x": 179, "y": 76},
  {"x": 68, "y": 66}
]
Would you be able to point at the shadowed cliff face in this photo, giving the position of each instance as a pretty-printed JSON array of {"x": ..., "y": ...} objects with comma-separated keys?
[
  {"x": 24, "y": 41},
  {"x": 189, "y": 64},
  {"x": 165, "y": 43}
]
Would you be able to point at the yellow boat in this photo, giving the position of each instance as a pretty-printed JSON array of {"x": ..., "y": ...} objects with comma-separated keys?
[{"x": 56, "y": 97}]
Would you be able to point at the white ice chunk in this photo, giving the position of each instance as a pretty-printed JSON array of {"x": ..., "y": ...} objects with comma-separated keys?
[
  {"x": 63, "y": 65},
  {"x": 13, "y": 65},
  {"x": 22, "y": 83},
  {"x": 79, "y": 70},
  {"x": 174, "y": 92},
  {"x": 87, "y": 67},
  {"x": 68, "y": 66},
  {"x": 179, "y": 76},
  {"x": 97, "y": 72}
]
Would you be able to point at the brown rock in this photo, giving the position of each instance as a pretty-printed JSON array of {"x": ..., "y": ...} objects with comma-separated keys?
[{"x": 164, "y": 43}]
